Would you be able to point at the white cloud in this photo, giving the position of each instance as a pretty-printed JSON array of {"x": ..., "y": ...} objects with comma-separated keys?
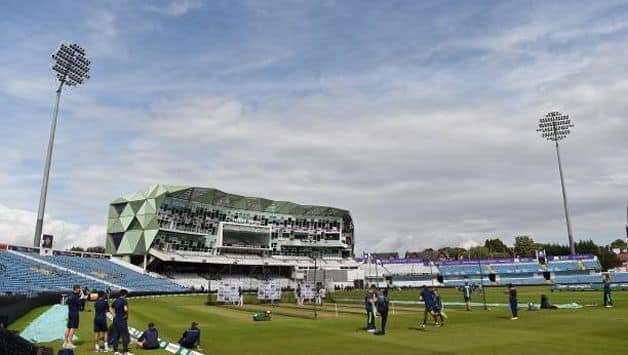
[
  {"x": 178, "y": 7},
  {"x": 18, "y": 226}
]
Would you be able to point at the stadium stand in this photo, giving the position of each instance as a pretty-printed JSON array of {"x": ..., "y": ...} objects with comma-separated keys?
[
  {"x": 558, "y": 266},
  {"x": 461, "y": 282},
  {"x": 104, "y": 269},
  {"x": 191, "y": 281},
  {"x": 28, "y": 273},
  {"x": 619, "y": 277},
  {"x": 23, "y": 275},
  {"x": 516, "y": 268},
  {"x": 206, "y": 220},
  {"x": 576, "y": 279},
  {"x": 521, "y": 280},
  {"x": 462, "y": 270},
  {"x": 519, "y": 271}
]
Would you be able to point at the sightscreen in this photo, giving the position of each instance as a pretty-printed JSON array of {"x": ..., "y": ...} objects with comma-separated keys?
[{"x": 245, "y": 236}]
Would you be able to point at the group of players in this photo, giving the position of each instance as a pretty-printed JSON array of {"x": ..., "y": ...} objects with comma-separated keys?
[
  {"x": 379, "y": 304},
  {"x": 374, "y": 304},
  {"x": 118, "y": 332}
]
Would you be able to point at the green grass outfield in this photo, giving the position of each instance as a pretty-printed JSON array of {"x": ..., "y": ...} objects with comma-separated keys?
[{"x": 226, "y": 330}]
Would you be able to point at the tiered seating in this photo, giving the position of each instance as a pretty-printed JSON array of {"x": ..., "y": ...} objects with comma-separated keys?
[
  {"x": 524, "y": 273},
  {"x": 192, "y": 281},
  {"x": 516, "y": 268},
  {"x": 619, "y": 277},
  {"x": 106, "y": 270},
  {"x": 530, "y": 280},
  {"x": 592, "y": 264},
  {"x": 21, "y": 275},
  {"x": 414, "y": 280},
  {"x": 461, "y": 282},
  {"x": 462, "y": 270},
  {"x": 558, "y": 266},
  {"x": 575, "y": 279},
  {"x": 408, "y": 269}
]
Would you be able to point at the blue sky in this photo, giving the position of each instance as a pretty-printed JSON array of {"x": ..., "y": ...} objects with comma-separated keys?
[{"x": 419, "y": 117}]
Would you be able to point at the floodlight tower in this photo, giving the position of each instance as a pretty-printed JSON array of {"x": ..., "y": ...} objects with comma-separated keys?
[
  {"x": 554, "y": 127},
  {"x": 72, "y": 69}
]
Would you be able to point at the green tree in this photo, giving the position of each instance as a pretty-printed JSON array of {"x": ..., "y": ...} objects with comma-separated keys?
[
  {"x": 453, "y": 253},
  {"x": 496, "y": 246},
  {"x": 587, "y": 247},
  {"x": 525, "y": 246},
  {"x": 619, "y": 243},
  {"x": 555, "y": 249},
  {"x": 608, "y": 259},
  {"x": 97, "y": 249},
  {"x": 479, "y": 252},
  {"x": 501, "y": 255},
  {"x": 76, "y": 249}
]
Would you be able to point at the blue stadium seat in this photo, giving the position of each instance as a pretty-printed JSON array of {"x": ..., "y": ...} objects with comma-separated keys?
[
  {"x": 20, "y": 275},
  {"x": 577, "y": 279},
  {"x": 619, "y": 277},
  {"x": 108, "y": 271},
  {"x": 526, "y": 273}
]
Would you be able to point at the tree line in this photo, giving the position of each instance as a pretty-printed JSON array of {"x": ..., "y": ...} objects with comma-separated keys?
[
  {"x": 525, "y": 246},
  {"x": 97, "y": 249}
]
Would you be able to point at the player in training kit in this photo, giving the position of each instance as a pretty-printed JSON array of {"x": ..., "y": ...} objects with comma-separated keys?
[
  {"x": 382, "y": 309},
  {"x": 428, "y": 299},
  {"x": 100, "y": 322},
  {"x": 74, "y": 305},
  {"x": 369, "y": 305},
  {"x": 191, "y": 338},
  {"x": 438, "y": 306},
  {"x": 466, "y": 293},
  {"x": 512, "y": 300},
  {"x": 299, "y": 297},
  {"x": 149, "y": 338},
  {"x": 608, "y": 300},
  {"x": 120, "y": 310}
]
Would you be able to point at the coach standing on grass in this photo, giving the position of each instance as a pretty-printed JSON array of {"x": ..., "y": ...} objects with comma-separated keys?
[
  {"x": 382, "y": 309},
  {"x": 608, "y": 300},
  {"x": 74, "y": 305},
  {"x": 428, "y": 299},
  {"x": 466, "y": 293},
  {"x": 100, "y": 321},
  {"x": 512, "y": 300},
  {"x": 120, "y": 310},
  {"x": 369, "y": 304}
]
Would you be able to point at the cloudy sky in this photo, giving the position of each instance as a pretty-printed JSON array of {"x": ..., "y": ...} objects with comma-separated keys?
[{"x": 418, "y": 117}]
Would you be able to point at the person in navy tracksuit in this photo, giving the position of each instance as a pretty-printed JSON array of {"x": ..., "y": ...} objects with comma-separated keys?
[
  {"x": 191, "y": 338},
  {"x": 100, "y": 321},
  {"x": 369, "y": 305},
  {"x": 149, "y": 339},
  {"x": 382, "y": 309},
  {"x": 608, "y": 300},
  {"x": 512, "y": 300},
  {"x": 120, "y": 310},
  {"x": 74, "y": 304}
]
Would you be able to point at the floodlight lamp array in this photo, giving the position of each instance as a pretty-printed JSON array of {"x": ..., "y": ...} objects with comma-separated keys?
[
  {"x": 70, "y": 64},
  {"x": 555, "y": 126}
]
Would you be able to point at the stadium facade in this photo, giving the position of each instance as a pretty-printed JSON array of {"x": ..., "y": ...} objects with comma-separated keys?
[{"x": 207, "y": 221}]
